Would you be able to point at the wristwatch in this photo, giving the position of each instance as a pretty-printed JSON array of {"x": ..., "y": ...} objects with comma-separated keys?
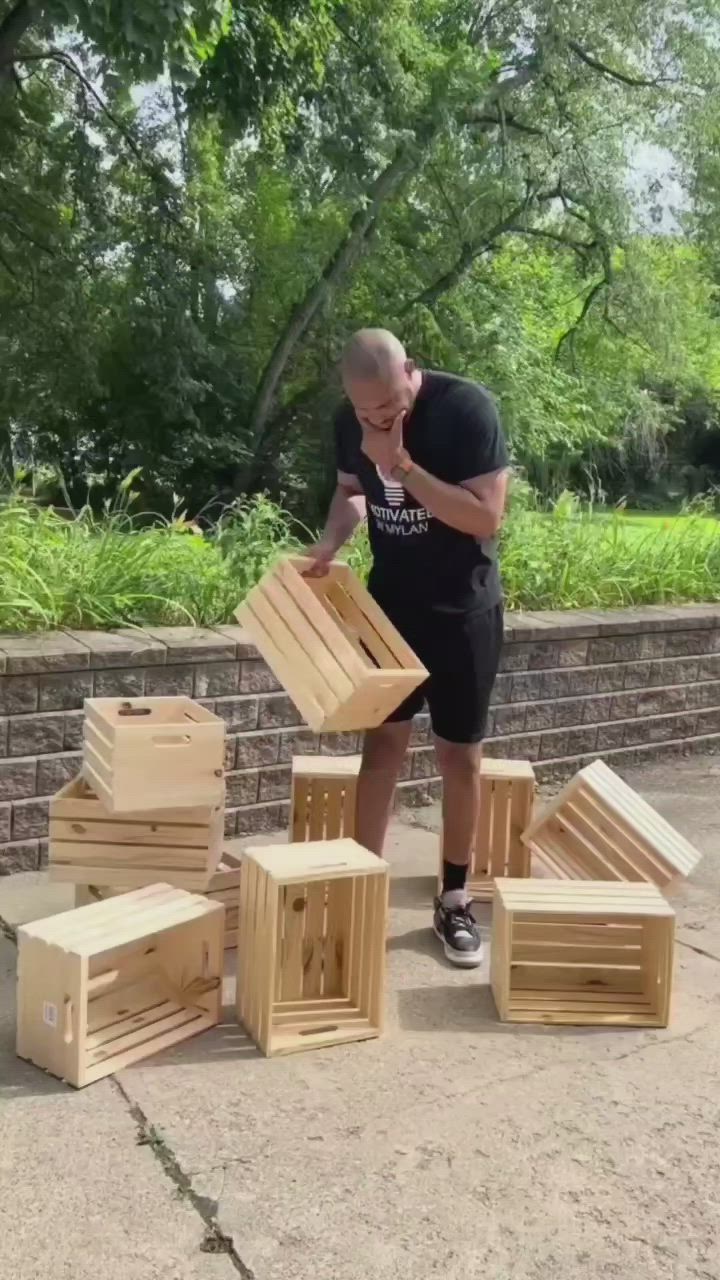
[{"x": 402, "y": 468}]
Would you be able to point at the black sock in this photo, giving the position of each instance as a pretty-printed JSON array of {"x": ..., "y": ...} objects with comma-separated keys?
[{"x": 454, "y": 877}]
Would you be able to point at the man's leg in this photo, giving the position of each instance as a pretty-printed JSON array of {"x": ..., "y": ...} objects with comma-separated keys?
[
  {"x": 453, "y": 922},
  {"x": 383, "y": 754},
  {"x": 459, "y": 766},
  {"x": 459, "y": 697}
]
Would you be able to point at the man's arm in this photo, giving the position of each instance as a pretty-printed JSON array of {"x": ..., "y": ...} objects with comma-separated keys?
[
  {"x": 476, "y": 506},
  {"x": 346, "y": 512}
]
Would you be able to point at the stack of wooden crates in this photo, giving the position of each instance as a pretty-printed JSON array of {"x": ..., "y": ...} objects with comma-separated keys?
[
  {"x": 148, "y": 806},
  {"x": 137, "y": 966}
]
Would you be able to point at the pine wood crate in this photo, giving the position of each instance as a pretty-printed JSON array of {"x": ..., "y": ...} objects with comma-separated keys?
[
  {"x": 330, "y": 645},
  {"x": 324, "y": 797},
  {"x": 153, "y": 753},
  {"x": 106, "y": 985},
  {"x": 88, "y": 844},
  {"x": 598, "y": 828},
  {"x": 311, "y": 953},
  {"x": 507, "y": 790},
  {"x": 223, "y": 887},
  {"x": 584, "y": 953}
]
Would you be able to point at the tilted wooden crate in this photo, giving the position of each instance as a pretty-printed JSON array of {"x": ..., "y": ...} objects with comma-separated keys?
[
  {"x": 106, "y": 985},
  {"x": 342, "y": 662},
  {"x": 223, "y": 886},
  {"x": 324, "y": 797},
  {"x": 153, "y": 753},
  {"x": 582, "y": 953},
  {"x": 90, "y": 845},
  {"x": 507, "y": 790},
  {"x": 598, "y": 828},
  {"x": 311, "y": 953}
]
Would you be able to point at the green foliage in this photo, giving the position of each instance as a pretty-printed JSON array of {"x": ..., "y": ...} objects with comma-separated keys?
[
  {"x": 116, "y": 569},
  {"x": 180, "y": 265}
]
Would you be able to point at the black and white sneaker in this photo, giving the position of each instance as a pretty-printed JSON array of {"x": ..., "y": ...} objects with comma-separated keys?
[{"x": 456, "y": 927}]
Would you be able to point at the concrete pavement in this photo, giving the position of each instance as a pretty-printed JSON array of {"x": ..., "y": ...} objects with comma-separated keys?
[{"x": 454, "y": 1146}]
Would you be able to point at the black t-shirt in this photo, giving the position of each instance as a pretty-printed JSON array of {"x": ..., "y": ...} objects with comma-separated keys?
[{"x": 454, "y": 433}]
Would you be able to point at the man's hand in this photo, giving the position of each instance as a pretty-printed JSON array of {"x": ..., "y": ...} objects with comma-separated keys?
[
  {"x": 384, "y": 448},
  {"x": 321, "y": 555}
]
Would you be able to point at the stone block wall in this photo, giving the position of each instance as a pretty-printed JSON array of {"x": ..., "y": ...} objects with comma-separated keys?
[{"x": 625, "y": 684}]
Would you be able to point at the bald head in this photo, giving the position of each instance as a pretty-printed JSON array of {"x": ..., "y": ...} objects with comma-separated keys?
[{"x": 378, "y": 378}]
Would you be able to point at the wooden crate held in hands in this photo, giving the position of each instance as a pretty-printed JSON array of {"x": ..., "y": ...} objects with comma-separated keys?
[
  {"x": 90, "y": 845},
  {"x": 153, "y": 753},
  {"x": 583, "y": 953},
  {"x": 598, "y": 828},
  {"x": 507, "y": 790},
  {"x": 223, "y": 886},
  {"x": 324, "y": 797},
  {"x": 311, "y": 952},
  {"x": 106, "y": 985},
  {"x": 342, "y": 662}
]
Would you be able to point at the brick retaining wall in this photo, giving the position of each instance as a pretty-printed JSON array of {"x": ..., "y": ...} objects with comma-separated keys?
[{"x": 626, "y": 684}]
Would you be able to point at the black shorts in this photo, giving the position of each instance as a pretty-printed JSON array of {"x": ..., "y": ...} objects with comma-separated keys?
[{"x": 462, "y": 653}]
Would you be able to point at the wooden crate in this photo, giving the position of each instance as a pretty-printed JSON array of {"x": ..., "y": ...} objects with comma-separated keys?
[
  {"x": 153, "y": 753},
  {"x": 507, "y": 790},
  {"x": 106, "y": 985},
  {"x": 326, "y": 640},
  {"x": 590, "y": 953},
  {"x": 598, "y": 828},
  {"x": 223, "y": 886},
  {"x": 90, "y": 845},
  {"x": 311, "y": 953},
  {"x": 324, "y": 797}
]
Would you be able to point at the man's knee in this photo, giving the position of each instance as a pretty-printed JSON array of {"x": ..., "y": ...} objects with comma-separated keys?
[
  {"x": 384, "y": 748},
  {"x": 458, "y": 759}
]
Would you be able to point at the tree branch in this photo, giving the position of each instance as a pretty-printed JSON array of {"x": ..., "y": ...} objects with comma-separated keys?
[
  {"x": 590, "y": 297},
  {"x": 469, "y": 254},
  {"x": 153, "y": 168},
  {"x": 12, "y": 29},
  {"x": 635, "y": 82},
  {"x": 510, "y": 121},
  {"x": 580, "y": 246}
]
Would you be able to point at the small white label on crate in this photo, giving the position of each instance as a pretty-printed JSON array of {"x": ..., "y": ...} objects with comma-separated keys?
[{"x": 49, "y": 1013}]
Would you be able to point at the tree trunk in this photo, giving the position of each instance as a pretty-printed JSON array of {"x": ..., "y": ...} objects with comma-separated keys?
[
  {"x": 12, "y": 29},
  {"x": 350, "y": 248},
  {"x": 406, "y": 159}
]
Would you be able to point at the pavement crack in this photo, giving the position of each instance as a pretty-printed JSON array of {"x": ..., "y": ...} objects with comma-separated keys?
[
  {"x": 214, "y": 1239},
  {"x": 699, "y": 951},
  {"x": 660, "y": 1044}
]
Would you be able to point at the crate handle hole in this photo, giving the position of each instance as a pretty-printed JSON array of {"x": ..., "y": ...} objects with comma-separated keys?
[
  {"x": 316, "y": 1031},
  {"x": 327, "y": 866},
  {"x": 68, "y": 1030},
  {"x": 127, "y": 709},
  {"x": 172, "y": 740}
]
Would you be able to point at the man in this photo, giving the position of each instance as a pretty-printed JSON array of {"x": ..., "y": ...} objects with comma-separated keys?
[{"x": 423, "y": 455}]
